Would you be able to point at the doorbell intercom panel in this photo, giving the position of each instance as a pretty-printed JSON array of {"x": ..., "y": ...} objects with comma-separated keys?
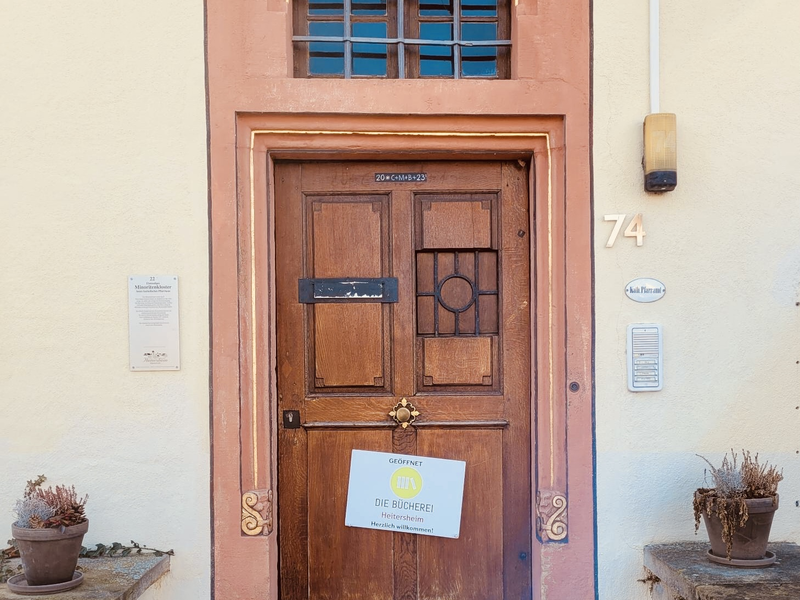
[{"x": 645, "y": 357}]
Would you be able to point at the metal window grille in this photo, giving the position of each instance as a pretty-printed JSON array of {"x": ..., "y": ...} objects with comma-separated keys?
[{"x": 402, "y": 39}]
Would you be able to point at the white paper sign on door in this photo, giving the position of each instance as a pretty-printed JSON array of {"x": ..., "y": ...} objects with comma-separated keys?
[
  {"x": 153, "y": 326},
  {"x": 404, "y": 493}
]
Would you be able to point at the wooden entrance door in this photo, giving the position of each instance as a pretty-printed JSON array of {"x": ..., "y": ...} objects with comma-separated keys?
[{"x": 456, "y": 344}]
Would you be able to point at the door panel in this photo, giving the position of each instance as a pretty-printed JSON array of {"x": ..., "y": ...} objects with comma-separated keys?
[
  {"x": 455, "y": 221},
  {"x": 333, "y": 251},
  {"x": 348, "y": 347},
  {"x": 337, "y": 552},
  {"x": 350, "y": 356},
  {"x": 451, "y": 361},
  {"x": 445, "y": 569},
  {"x": 456, "y": 344}
]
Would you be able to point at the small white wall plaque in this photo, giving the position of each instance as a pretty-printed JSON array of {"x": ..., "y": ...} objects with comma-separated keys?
[
  {"x": 153, "y": 328},
  {"x": 645, "y": 289},
  {"x": 404, "y": 493}
]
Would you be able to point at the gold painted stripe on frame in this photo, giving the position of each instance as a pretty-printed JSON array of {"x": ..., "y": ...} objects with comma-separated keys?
[{"x": 434, "y": 134}]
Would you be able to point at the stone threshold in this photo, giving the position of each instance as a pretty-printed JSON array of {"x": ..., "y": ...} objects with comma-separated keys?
[
  {"x": 684, "y": 572},
  {"x": 107, "y": 578}
]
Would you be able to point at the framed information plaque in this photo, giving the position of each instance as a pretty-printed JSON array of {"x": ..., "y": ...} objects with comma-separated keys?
[{"x": 153, "y": 326}]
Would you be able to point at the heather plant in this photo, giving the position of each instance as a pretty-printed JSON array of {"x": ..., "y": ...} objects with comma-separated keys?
[
  {"x": 733, "y": 484},
  {"x": 42, "y": 508},
  {"x": 32, "y": 512}
]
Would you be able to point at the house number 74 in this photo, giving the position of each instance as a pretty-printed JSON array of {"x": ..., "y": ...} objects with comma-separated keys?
[{"x": 634, "y": 228}]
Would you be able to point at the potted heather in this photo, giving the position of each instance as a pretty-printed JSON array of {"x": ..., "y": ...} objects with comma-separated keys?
[
  {"x": 49, "y": 531},
  {"x": 738, "y": 510}
]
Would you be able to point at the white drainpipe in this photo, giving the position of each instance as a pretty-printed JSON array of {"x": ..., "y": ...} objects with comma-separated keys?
[{"x": 654, "y": 58}]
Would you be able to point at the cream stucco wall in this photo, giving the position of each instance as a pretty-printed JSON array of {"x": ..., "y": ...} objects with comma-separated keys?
[
  {"x": 103, "y": 175},
  {"x": 726, "y": 243}
]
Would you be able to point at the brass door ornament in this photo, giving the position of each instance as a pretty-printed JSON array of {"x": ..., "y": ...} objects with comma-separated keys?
[{"x": 404, "y": 413}]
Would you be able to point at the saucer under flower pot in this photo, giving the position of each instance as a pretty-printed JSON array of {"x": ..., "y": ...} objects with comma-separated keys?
[
  {"x": 19, "y": 585},
  {"x": 756, "y": 563}
]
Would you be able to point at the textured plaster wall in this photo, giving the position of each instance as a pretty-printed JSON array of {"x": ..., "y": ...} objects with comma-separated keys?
[
  {"x": 727, "y": 245},
  {"x": 103, "y": 175}
]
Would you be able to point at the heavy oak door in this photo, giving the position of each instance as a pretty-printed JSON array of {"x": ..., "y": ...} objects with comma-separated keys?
[{"x": 455, "y": 343}]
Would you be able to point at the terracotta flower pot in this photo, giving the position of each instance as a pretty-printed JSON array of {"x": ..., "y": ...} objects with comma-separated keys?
[
  {"x": 49, "y": 555},
  {"x": 750, "y": 541}
]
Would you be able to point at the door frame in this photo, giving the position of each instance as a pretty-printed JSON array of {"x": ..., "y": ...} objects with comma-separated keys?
[{"x": 243, "y": 344}]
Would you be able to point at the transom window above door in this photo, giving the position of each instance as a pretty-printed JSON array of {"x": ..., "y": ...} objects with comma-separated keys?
[{"x": 399, "y": 39}]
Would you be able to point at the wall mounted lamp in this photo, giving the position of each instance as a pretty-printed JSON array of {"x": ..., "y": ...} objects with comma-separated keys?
[{"x": 660, "y": 152}]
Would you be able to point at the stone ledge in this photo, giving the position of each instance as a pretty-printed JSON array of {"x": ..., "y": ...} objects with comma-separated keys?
[
  {"x": 685, "y": 572},
  {"x": 116, "y": 578}
]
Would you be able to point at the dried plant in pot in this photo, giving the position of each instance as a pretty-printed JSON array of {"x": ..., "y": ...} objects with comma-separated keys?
[
  {"x": 738, "y": 510},
  {"x": 49, "y": 533}
]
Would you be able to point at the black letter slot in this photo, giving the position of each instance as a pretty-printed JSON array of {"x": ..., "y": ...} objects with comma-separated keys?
[{"x": 347, "y": 289}]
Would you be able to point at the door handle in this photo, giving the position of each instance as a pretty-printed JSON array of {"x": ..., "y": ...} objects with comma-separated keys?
[{"x": 404, "y": 413}]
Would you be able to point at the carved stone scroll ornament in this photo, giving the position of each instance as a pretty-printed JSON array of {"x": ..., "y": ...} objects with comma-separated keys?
[
  {"x": 257, "y": 512},
  {"x": 551, "y": 515}
]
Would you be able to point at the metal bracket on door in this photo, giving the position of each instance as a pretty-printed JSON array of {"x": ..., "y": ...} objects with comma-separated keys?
[{"x": 347, "y": 289}]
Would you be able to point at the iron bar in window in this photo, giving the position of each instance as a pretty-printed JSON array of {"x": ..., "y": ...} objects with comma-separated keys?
[{"x": 389, "y": 38}]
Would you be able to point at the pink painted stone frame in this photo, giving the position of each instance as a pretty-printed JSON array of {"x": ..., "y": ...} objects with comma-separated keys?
[{"x": 259, "y": 114}]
